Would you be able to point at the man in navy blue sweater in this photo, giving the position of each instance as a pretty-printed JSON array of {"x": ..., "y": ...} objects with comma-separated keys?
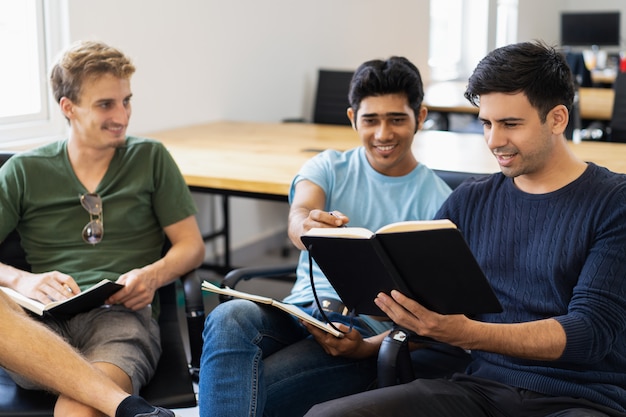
[{"x": 550, "y": 233}]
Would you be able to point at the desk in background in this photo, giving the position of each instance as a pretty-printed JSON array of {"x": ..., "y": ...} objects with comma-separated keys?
[
  {"x": 596, "y": 103},
  {"x": 604, "y": 76},
  {"x": 447, "y": 97},
  {"x": 259, "y": 160}
]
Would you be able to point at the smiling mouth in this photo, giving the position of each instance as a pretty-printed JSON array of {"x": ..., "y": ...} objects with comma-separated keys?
[
  {"x": 385, "y": 148},
  {"x": 117, "y": 130},
  {"x": 504, "y": 155},
  {"x": 504, "y": 159}
]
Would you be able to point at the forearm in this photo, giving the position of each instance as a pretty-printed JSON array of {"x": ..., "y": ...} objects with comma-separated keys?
[
  {"x": 297, "y": 217},
  {"x": 9, "y": 276},
  {"x": 185, "y": 254},
  {"x": 179, "y": 260},
  {"x": 536, "y": 340}
]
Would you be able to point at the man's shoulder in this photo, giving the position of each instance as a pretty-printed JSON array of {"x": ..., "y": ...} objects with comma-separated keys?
[
  {"x": 603, "y": 176},
  {"x": 47, "y": 153}
]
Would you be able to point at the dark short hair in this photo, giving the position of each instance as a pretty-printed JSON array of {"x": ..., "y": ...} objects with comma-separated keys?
[
  {"x": 533, "y": 68},
  {"x": 86, "y": 60},
  {"x": 396, "y": 75}
]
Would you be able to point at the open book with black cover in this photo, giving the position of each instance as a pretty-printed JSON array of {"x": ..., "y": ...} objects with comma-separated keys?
[
  {"x": 428, "y": 261},
  {"x": 289, "y": 308},
  {"x": 92, "y": 297}
]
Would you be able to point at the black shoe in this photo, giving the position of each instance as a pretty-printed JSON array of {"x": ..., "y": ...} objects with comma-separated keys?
[
  {"x": 158, "y": 412},
  {"x": 133, "y": 406}
]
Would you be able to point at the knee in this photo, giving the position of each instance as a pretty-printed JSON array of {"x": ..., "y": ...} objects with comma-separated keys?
[{"x": 232, "y": 317}]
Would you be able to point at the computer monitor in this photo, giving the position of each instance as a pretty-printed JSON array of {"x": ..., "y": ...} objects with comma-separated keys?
[{"x": 590, "y": 28}]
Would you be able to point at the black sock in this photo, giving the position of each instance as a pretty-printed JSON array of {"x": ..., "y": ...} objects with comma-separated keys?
[{"x": 133, "y": 405}]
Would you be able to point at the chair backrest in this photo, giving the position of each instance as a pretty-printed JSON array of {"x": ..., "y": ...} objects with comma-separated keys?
[
  {"x": 331, "y": 99},
  {"x": 11, "y": 252},
  {"x": 618, "y": 117},
  {"x": 455, "y": 178},
  {"x": 576, "y": 62}
]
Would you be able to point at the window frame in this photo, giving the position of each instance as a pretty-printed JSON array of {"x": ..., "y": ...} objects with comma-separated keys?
[{"x": 49, "y": 124}]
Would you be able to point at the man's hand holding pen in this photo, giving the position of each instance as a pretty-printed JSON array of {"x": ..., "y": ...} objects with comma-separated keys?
[{"x": 338, "y": 218}]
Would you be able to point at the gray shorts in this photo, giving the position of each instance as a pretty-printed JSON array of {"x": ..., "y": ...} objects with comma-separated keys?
[{"x": 127, "y": 339}]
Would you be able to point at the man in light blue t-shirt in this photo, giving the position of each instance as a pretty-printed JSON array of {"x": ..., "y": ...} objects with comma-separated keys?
[{"x": 258, "y": 360}]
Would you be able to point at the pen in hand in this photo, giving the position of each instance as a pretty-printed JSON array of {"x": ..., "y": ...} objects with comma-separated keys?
[{"x": 334, "y": 214}]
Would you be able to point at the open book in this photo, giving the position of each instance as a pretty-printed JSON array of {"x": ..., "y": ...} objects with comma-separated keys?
[
  {"x": 92, "y": 297},
  {"x": 289, "y": 308},
  {"x": 428, "y": 261},
  {"x": 363, "y": 233}
]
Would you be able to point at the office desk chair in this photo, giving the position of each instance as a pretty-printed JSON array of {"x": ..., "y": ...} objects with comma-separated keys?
[
  {"x": 172, "y": 384},
  {"x": 331, "y": 98},
  {"x": 394, "y": 362},
  {"x": 576, "y": 63},
  {"x": 618, "y": 117}
]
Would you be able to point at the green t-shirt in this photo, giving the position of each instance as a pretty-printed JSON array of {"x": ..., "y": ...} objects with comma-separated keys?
[{"x": 142, "y": 192}]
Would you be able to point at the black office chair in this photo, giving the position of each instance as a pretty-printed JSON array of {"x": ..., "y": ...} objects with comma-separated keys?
[
  {"x": 172, "y": 384},
  {"x": 582, "y": 78},
  {"x": 618, "y": 118},
  {"x": 576, "y": 62},
  {"x": 331, "y": 98},
  {"x": 394, "y": 362}
]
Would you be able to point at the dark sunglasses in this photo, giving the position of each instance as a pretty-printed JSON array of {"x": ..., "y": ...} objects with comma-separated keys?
[{"x": 94, "y": 230}]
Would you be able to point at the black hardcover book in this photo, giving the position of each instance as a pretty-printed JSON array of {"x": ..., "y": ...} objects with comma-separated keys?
[
  {"x": 91, "y": 298},
  {"x": 433, "y": 265}
]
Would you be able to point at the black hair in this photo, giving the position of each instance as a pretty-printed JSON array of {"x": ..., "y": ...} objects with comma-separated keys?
[
  {"x": 396, "y": 75},
  {"x": 533, "y": 68}
]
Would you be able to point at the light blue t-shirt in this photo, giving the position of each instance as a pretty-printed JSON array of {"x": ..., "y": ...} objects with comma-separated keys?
[{"x": 368, "y": 198}]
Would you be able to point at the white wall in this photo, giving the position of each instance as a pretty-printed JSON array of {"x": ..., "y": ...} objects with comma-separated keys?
[{"x": 204, "y": 60}]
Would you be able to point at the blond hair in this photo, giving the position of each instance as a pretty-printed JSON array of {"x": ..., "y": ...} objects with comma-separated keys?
[{"x": 86, "y": 60}]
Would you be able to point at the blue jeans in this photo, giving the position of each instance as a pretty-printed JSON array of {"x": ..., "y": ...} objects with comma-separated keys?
[{"x": 260, "y": 361}]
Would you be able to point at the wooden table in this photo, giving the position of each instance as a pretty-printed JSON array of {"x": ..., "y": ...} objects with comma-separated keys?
[
  {"x": 250, "y": 159},
  {"x": 596, "y": 103},
  {"x": 605, "y": 76},
  {"x": 447, "y": 97}
]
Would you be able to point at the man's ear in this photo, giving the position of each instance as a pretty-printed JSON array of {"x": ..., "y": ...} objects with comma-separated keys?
[
  {"x": 421, "y": 118},
  {"x": 67, "y": 107},
  {"x": 559, "y": 118},
  {"x": 351, "y": 116}
]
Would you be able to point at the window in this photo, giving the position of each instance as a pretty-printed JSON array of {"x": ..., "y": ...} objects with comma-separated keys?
[
  {"x": 462, "y": 32},
  {"x": 507, "y": 22},
  {"x": 30, "y": 37}
]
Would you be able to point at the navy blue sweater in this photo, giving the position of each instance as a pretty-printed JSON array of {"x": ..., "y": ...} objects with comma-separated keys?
[{"x": 561, "y": 255}]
